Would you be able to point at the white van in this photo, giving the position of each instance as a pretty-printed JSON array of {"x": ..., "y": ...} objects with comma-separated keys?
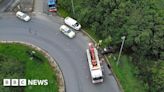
[
  {"x": 23, "y": 16},
  {"x": 67, "y": 31},
  {"x": 72, "y": 23}
]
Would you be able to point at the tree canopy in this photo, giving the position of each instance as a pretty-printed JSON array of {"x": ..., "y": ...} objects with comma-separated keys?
[{"x": 141, "y": 21}]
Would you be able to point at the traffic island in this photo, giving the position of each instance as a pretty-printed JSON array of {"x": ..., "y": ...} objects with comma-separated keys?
[{"x": 32, "y": 65}]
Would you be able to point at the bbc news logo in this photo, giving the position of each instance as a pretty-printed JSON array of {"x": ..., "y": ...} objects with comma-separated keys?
[{"x": 24, "y": 82}]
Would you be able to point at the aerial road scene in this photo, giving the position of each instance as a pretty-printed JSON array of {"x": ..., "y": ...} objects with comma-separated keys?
[{"x": 81, "y": 46}]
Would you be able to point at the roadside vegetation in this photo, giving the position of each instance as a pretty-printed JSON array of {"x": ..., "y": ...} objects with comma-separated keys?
[
  {"x": 141, "y": 21},
  {"x": 125, "y": 72},
  {"x": 16, "y": 62},
  {"x": 1, "y": 1}
]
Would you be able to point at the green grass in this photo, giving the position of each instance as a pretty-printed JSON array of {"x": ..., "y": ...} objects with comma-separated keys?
[
  {"x": 125, "y": 73},
  {"x": 34, "y": 69},
  {"x": 92, "y": 34},
  {"x": 61, "y": 12}
]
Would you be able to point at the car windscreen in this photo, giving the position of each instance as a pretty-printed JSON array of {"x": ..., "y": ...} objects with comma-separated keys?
[
  {"x": 68, "y": 31},
  {"x": 24, "y": 16},
  {"x": 97, "y": 78}
]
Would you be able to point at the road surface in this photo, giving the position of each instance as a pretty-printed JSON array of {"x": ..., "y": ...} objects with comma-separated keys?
[
  {"x": 5, "y": 4},
  {"x": 70, "y": 54}
]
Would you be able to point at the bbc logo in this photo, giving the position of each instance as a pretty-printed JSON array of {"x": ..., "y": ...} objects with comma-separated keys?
[{"x": 14, "y": 82}]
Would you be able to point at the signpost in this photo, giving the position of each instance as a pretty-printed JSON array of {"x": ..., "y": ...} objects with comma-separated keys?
[{"x": 123, "y": 40}]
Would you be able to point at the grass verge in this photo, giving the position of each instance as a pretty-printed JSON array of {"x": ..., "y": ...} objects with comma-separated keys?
[
  {"x": 61, "y": 12},
  {"x": 92, "y": 34},
  {"x": 125, "y": 72},
  {"x": 36, "y": 68}
]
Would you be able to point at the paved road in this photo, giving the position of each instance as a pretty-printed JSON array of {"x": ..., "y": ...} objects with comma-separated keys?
[
  {"x": 69, "y": 53},
  {"x": 5, "y": 4},
  {"x": 38, "y": 7}
]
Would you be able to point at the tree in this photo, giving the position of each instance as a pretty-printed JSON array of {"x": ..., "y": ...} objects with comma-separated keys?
[{"x": 141, "y": 21}]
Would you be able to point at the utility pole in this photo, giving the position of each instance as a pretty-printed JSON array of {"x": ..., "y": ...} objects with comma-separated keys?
[
  {"x": 73, "y": 10},
  {"x": 123, "y": 40}
]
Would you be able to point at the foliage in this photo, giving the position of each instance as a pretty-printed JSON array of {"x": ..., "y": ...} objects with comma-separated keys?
[
  {"x": 125, "y": 72},
  {"x": 141, "y": 21}
]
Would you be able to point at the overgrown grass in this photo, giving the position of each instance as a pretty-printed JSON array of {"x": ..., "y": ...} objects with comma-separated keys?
[
  {"x": 125, "y": 72},
  {"x": 92, "y": 34},
  {"x": 34, "y": 69},
  {"x": 61, "y": 12}
]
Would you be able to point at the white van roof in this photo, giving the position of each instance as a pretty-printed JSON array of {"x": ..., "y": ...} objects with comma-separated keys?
[{"x": 70, "y": 20}]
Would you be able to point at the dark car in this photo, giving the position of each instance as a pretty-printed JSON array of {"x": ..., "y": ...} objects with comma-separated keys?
[{"x": 107, "y": 50}]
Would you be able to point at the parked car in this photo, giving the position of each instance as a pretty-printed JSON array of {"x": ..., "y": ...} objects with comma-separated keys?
[
  {"x": 72, "y": 23},
  {"x": 52, "y": 6},
  {"x": 107, "y": 50},
  {"x": 67, "y": 31},
  {"x": 23, "y": 16}
]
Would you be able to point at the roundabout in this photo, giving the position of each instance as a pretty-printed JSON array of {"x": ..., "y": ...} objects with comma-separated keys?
[{"x": 70, "y": 54}]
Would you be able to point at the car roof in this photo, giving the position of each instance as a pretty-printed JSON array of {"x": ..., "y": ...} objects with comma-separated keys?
[
  {"x": 64, "y": 27},
  {"x": 20, "y": 13},
  {"x": 70, "y": 20}
]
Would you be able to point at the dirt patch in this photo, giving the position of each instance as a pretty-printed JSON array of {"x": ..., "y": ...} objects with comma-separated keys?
[
  {"x": 27, "y": 5},
  {"x": 24, "y": 6}
]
